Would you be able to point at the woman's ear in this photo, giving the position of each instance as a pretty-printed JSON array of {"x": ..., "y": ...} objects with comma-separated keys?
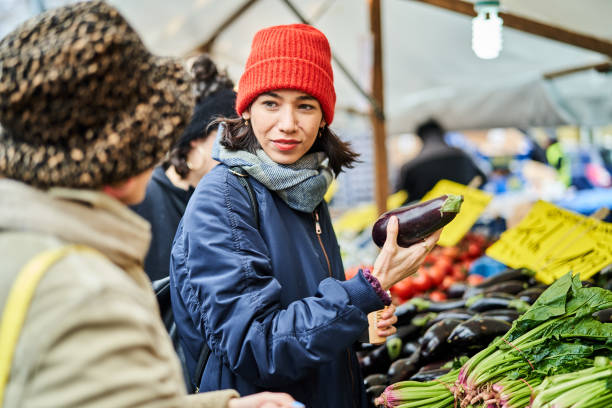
[
  {"x": 246, "y": 115},
  {"x": 323, "y": 123}
]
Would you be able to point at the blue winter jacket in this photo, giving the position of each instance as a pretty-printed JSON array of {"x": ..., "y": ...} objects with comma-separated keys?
[{"x": 271, "y": 302}]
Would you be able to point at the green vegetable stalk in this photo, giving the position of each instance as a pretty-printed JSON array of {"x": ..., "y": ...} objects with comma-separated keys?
[
  {"x": 515, "y": 393},
  {"x": 415, "y": 394},
  {"x": 556, "y": 335},
  {"x": 588, "y": 388}
]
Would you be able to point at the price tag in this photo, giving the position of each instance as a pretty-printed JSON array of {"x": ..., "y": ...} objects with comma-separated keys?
[
  {"x": 474, "y": 203},
  {"x": 553, "y": 241}
]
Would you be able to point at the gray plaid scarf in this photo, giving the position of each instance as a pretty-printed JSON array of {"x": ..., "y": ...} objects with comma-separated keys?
[{"x": 301, "y": 185}]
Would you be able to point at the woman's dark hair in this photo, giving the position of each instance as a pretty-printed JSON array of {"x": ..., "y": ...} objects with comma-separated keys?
[
  {"x": 206, "y": 81},
  {"x": 177, "y": 157},
  {"x": 238, "y": 135}
]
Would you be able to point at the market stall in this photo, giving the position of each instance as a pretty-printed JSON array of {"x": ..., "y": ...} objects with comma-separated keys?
[{"x": 513, "y": 308}]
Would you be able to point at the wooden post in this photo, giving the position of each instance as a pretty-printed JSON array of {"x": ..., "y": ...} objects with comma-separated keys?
[{"x": 381, "y": 182}]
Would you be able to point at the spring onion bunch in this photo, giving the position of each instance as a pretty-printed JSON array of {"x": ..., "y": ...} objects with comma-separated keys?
[
  {"x": 588, "y": 388},
  {"x": 557, "y": 334},
  {"x": 414, "y": 394}
]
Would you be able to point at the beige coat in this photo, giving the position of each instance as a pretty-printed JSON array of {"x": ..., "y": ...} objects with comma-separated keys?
[{"x": 92, "y": 336}]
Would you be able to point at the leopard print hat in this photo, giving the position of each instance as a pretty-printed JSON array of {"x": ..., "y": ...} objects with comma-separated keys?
[{"x": 83, "y": 103}]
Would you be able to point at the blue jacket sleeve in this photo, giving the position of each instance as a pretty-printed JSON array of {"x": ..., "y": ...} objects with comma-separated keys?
[{"x": 231, "y": 292}]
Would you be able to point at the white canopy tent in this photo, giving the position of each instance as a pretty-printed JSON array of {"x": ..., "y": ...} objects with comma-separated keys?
[{"x": 428, "y": 65}]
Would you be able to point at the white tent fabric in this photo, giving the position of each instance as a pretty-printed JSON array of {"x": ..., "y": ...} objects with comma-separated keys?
[{"x": 429, "y": 67}]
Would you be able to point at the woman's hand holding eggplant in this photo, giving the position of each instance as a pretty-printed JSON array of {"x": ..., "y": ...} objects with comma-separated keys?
[{"x": 395, "y": 263}]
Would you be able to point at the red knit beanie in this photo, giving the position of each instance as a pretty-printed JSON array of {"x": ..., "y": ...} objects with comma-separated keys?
[{"x": 293, "y": 56}]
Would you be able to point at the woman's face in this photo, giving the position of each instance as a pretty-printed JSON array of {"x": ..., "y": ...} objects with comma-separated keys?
[{"x": 286, "y": 123}]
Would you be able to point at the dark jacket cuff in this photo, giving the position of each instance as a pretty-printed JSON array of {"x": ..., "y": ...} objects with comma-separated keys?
[
  {"x": 384, "y": 296},
  {"x": 362, "y": 294}
]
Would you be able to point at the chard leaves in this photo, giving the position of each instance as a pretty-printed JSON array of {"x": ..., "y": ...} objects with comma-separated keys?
[
  {"x": 566, "y": 297},
  {"x": 551, "y": 303}
]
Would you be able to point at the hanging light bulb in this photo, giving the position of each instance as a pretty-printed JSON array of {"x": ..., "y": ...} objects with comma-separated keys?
[{"x": 487, "y": 30}]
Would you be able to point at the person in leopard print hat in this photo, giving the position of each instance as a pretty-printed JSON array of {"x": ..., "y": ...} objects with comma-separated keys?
[{"x": 86, "y": 112}]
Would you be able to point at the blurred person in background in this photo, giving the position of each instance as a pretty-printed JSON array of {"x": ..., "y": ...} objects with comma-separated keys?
[
  {"x": 435, "y": 161},
  {"x": 86, "y": 112},
  {"x": 189, "y": 160}
]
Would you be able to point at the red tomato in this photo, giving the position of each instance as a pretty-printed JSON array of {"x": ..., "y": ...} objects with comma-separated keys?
[
  {"x": 437, "y": 296},
  {"x": 350, "y": 272},
  {"x": 452, "y": 252},
  {"x": 404, "y": 288},
  {"x": 421, "y": 281},
  {"x": 436, "y": 274},
  {"x": 445, "y": 264},
  {"x": 447, "y": 282},
  {"x": 458, "y": 273},
  {"x": 474, "y": 250},
  {"x": 474, "y": 279},
  {"x": 430, "y": 258}
]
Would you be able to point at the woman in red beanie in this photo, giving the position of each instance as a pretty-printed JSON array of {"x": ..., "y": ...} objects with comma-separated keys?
[{"x": 256, "y": 272}]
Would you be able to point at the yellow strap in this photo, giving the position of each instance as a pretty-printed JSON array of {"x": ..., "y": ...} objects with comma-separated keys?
[{"x": 18, "y": 302}]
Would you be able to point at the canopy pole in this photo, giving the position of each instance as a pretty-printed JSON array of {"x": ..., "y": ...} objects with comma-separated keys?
[
  {"x": 378, "y": 122},
  {"x": 207, "y": 45}
]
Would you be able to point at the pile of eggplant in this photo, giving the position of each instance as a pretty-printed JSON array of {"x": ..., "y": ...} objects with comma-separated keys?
[{"x": 433, "y": 337}]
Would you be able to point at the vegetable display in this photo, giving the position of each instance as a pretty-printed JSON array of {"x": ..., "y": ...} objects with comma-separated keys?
[{"x": 537, "y": 361}]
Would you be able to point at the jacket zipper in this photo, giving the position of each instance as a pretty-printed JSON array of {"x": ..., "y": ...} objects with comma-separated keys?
[
  {"x": 319, "y": 231},
  {"x": 348, "y": 350}
]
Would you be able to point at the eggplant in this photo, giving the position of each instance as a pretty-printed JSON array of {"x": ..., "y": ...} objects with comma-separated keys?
[
  {"x": 608, "y": 285},
  {"x": 376, "y": 361},
  {"x": 434, "y": 339},
  {"x": 456, "y": 290},
  {"x": 478, "y": 332},
  {"x": 482, "y": 303},
  {"x": 459, "y": 314},
  {"x": 402, "y": 369},
  {"x": 511, "y": 287},
  {"x": 374, "y": 392},
  {"x": 507, "y": 315},
  {"x": 438, "y": 307},
  {"x": 424, "y": 305},
  {"x": 417, "y": 221},
  {"x": 522, "y": 274},
  {"x": 604, "y": 316},
  {"x": 422, "y": 319},
  {"x": 530, "y": 295},
  {"x": 364, "y": 347},
  {"x": 405, "y": 312},
  {"x": 375, "y": 379},
  {"x": 430, "y": 375},
  {"x": 409, "y": 348},
  {"x": 406, "y": 332}
]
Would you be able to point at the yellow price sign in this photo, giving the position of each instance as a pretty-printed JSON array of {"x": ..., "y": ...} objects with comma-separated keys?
[
  {"x": 474, "y": 203},
  {"x": 553, "y": 241}
]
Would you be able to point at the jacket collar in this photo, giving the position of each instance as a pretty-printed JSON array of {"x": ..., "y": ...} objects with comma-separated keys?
[{"x": 86, "y": 217}]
